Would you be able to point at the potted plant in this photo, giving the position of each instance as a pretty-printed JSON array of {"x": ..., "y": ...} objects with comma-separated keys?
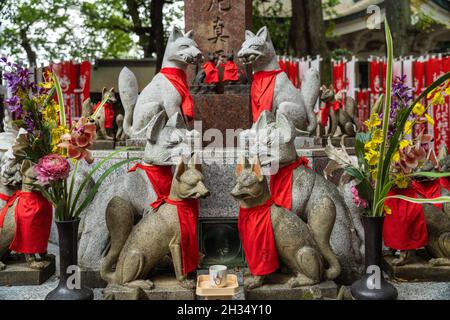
[
  {"x": 376, "y": 169},
  {"x": 56, "y": 151}
]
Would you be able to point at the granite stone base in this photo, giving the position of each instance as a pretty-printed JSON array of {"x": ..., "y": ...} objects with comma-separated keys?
[
  {"x": 103, "y": 145},
  {"x": 417, "y": 271},
  {"x": 276, "y": 288},
  {"x": 91, "y": 278},
  {"x": 166, "y": 288},
  {"x": 18, "y": 273},
  {"x": 348, "y": 142}
]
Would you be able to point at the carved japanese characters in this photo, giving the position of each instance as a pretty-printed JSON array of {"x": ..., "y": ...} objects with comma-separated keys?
[
  {"x": 271, "y": 88},
  {"x": 303, "y": 248},
  {"x": 168, "y": 89},
  {"x": 170, "y": 229}
]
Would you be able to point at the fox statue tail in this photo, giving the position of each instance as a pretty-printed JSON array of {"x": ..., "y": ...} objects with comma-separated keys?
[
  {"x": 129, "y": 92},
  {"x": 321, "y": 222},
  {"x": 310, "y": 92},
  {"x": 119, "y": 220}
]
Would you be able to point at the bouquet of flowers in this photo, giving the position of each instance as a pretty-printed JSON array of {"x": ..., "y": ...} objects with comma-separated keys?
[
  {"x": 48, "y": 142},
  {"x": 387, "y": 156}
]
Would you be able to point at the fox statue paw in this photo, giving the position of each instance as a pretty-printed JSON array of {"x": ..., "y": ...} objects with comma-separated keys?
[
  {"x": 188, "y": 284},
  {"x": 253, "y": 282},
  {"x": 2, "y": 266},
  {"x": 37, "y": 265}
]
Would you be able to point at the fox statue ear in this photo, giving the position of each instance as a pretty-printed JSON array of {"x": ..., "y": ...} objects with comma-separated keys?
[
  {"x": 181, "y": 168},
  {"x": 156, "y": 125},
  {"x": 175, "y": 34},
  {"x": 249, "y": 34},
  {"x": 263, "y": 33},
  {"x": 287, "y": 127},
  {"x": 257, "y": 169},
  {"x": 176, "y": 121},
  {"x": 241, "y": 165},
  {"x": 264, "y": 119},
  {"x": 104, "y": 91},
  {"x": 195, "y": 162},
  {"x": 190, "y": 34}
]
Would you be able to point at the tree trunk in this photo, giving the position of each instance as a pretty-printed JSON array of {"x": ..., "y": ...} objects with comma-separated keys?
[
  {"x": 157, "y": 30},
  {"x": 25, "y": 43},
  {"x": 398, "y": 13},
  {"x": 298, "y": 40}
]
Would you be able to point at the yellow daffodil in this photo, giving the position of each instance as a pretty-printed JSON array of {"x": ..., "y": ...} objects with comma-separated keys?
[
  {"x": 387, "y": 210},
  {"x": 404, "y": 143},
  {"x": 408, "y": 127},
  {"x": 418, "y": 109},
  {"x": 373, "y": 122},
  {"x": 429, "y": 119}
]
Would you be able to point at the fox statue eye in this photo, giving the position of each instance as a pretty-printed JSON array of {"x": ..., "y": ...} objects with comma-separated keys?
[
  {"x": 184, "y": 46},
  {"x": 255, "y": 47}
]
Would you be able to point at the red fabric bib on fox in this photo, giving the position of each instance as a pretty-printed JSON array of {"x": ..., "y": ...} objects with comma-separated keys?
[
  {"x": 262, "y": 91},
  {"x": 188, "y": 216},
  {"x": 211, "y": 72},
  {"x": 33, "y": 215},
  {"x": 230, "y": 71},
  {"x": 255, "y": 230},
  {"x": 445, "y": 183},
  {"x": 428, "y": 190},
  {"x": 161, "y": 179},
  {"x": 281, "y": 183},
  {"x": 179, "y": 80},
  {"x": 405, "y": 228},
  {"x": 9, "y": 202},
  {"x": 109, "y": 114}
]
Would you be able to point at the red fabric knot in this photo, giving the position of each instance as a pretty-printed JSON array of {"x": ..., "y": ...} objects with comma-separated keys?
[
  {"x": 178, "y": 79},
  {"x": 9, "y": 202},
  {"x": 211, "y": 72},
  {"x": 325, "y": 114},
  {"x": 161, "y": 179},
  {"x": 445, "y": 183},
  {"x": 262, "y": 91},
  {"x": 337, "y": 105},
  {"x": 428, "y": 190},
  {"x": 188, "y": 216},
  {"x": 258, "y": 241},
  {"x": 230, "y": 72},
  {"x": 109, "y": 114},
  {"x": 281, "y": 183}
]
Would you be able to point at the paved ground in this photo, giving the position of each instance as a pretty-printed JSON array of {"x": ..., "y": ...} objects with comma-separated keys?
[{"x": 407, "y": 291}]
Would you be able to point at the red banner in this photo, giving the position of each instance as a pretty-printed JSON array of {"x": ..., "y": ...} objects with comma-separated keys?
[
  {"x": 339, "y": 82},
  {"x": 363, "y": 105}
]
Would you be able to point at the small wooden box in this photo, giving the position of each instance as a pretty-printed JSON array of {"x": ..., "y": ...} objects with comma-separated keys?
[{"x": 204, "y": 288}]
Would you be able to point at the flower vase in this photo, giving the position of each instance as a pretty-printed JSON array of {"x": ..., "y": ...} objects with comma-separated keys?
[
  {"x": 67, "y": 288},
  {"x": 373, "y": 285}
]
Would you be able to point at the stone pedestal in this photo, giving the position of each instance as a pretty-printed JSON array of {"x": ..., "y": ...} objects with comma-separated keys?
[
  {"x": 275, "y": 288},
  {"x": 137, "y": 143},
  {"x": 103, "y": 145},
  {"x": 348, "y": 142},
  {"x": 166, "y": 288},
  {"x": 91, "y": 278},
  {"x": 417, "y": 271},
  {"x": 18, "y": 273}
]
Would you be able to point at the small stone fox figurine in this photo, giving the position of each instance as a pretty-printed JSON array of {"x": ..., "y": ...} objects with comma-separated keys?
[
  {"x": 303, "y": 248},
  {"x": 342, "y": 116},
  {"x": 135, "y": 250}
]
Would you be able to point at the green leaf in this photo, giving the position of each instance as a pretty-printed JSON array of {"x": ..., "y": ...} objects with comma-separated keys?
[
  {"x": 419, "y": 200},
  {"x": 99, "y": 182},
  {"x": 105, "y": 99},
  {"x": 354, "y": 173},
  {"x": 62, "y": 112},
  {"x": 430, "y": 174}
]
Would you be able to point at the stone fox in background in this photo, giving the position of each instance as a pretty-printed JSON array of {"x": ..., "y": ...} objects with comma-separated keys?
[
  {"x": 258, "y": 50},
  {"x": 181, "y": 51},
  {"x": 136, "y": 250},
  {"x": 303, "y": 248}
]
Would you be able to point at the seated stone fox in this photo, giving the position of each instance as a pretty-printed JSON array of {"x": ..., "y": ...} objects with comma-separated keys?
[
  {"x": 303, "y": 248},
  {"x": 168, "y": 89},
  {"x": 271, "y": 88},
  {"x": 135, "y": 251}
]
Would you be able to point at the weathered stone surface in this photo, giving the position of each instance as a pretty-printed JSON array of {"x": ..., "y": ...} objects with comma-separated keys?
[
  {"x": 18, "y": 273},
  {"x": 276, "y": 288},
  {"x": 91, "y": 278},
  {"x": 103, "y": 145},
  {"x": 348, "y": 142},
  {"x": 418, "y": 271},
  {"x": 166, "y": 288}
]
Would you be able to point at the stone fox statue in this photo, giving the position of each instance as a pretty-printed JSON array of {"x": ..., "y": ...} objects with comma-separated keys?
[
  {"x": 281, "y": 95},
  {"x": 168, "y": 88},
  {"x": 136, "y": 250},
  {"x": 167, "y": 139},
  {"x": 299, "y": 188},
  {"x": 303, "y": 248}
]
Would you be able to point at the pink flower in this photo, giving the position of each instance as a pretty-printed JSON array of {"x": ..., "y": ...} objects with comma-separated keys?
[
  {"x": 52, "y": 167},
  {"x": 81, "y": 138},
  {"x": 361, "y": 203}
]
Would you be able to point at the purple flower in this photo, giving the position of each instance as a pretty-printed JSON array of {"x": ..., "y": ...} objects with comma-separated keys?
[
  {"x": 401, "y": 97},
  {"x": 30, "y": 125}
]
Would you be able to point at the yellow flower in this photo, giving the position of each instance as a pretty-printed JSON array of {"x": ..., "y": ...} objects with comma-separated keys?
[
  {"x": 429, "y": 119},
  {"x": 57, "y": 133},
  {"x": 387, "y": 210},
  {"x": 374, "y": 174},
  {"x": 447, "y": 90},
  {"x": 396, "y": 157},
  {"x": 372, "y": 157},
  {"x": 51, "y": 113},
  {"x": 418, "y": 109},
  {"x": 404, "y": 143},
  {"x": 408, "y": 127},
  {"x": 46, "y": 85},
  {"x": 377, "y": 136},
  {"x": 431, "y": 94},
  {"x": 373, "y": 122},
  {"x": 401, "y": 181},
  {"x": 438, "y": 99}
]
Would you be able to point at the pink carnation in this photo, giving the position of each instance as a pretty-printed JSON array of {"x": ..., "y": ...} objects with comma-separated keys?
[
  {"x": 52, "y": 167},
  {"x": 361, "y": 203}
]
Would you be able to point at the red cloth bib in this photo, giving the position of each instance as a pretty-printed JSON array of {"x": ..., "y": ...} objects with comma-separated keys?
[
  {"x": 445, "y": 183},
  {"x": 262, "y": 92},
  {"x": 33, "y": 216},
  {"x": 428, "y": 190},
  {"x": 109, "y": 114},
  {"x": 9, "y": 202},
  {"x": 405, "y": 228},
  {"x": 211, "y": 72},
  {"x": 255, "y": 230},
  {"x": 325, "y": 114},
  {"x": 179, "y": 80},
  {"x": 188, "y": 216},
  {"x": 281, "y": 183},
  {"x": 230, "y": 72},
  {"x": 337, "y": 105},
  {"x": 161, "y": 179}
]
